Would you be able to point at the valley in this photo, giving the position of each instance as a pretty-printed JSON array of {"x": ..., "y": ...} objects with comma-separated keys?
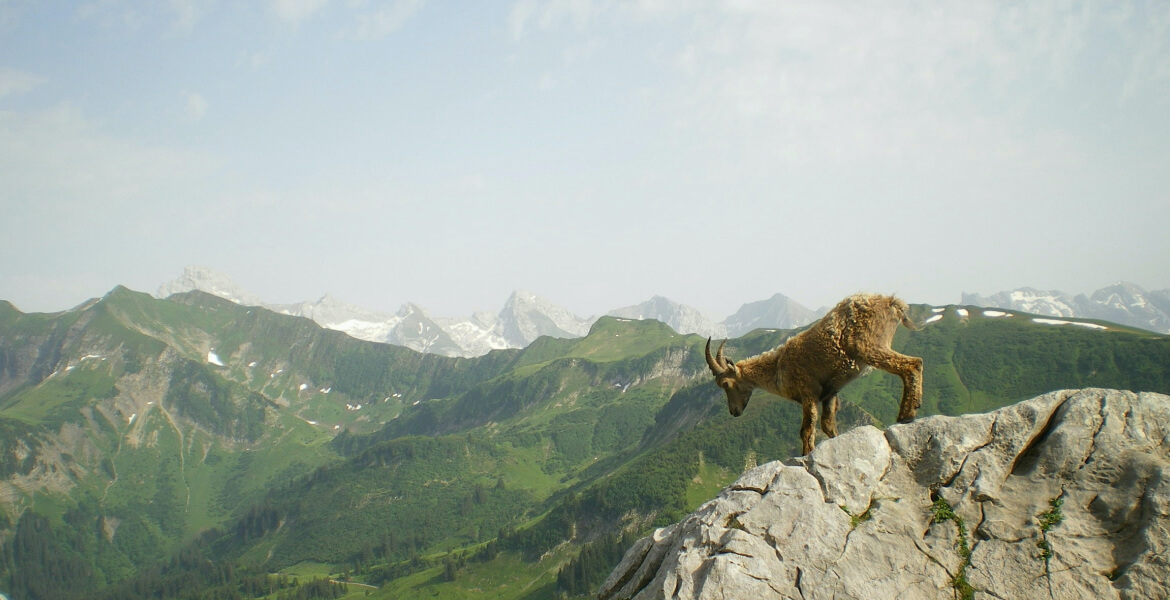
[{"x": 193, "y": 446}]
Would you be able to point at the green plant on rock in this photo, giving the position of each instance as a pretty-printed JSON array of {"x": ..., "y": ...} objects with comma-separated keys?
[
  {"x": 733, "y": 523},
  {"x": 1049, "y": 519},
  {"x": 855, "y": 520},
  {"x": 942, "y": 511}
]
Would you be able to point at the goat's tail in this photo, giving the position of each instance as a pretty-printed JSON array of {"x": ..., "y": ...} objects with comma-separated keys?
[{"x": 904, "y": 310}]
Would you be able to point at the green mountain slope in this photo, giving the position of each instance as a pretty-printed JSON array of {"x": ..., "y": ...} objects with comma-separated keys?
[
  {"x": 135, "y": 427},
  {"x": 134, "y": 424}
]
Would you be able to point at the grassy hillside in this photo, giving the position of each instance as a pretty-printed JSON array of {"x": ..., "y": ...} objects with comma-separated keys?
[
  {"x": 132, "y": 425},
  {"x": 247, "y": 444}
]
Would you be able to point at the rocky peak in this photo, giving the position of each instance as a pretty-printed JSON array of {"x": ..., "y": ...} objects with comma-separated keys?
[
  {"x": 526, "y": 316},
  {"x": 777, "y": 312},
  {"x": 210, "y": 281},
  {"x": 679, "y": 317},
  {"x": 1066, "y": 495}
]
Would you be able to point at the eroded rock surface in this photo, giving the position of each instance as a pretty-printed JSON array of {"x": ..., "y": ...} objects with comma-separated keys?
[{"x": 1066, "y": 495}]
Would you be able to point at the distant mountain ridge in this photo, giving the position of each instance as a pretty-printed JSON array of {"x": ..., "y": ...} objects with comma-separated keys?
[
  {"x": 1122, "y": 302},
  {"x": 524, "y": 317}
]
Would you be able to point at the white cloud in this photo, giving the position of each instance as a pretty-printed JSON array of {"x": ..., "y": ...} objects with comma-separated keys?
[
  {"x": 14, "y": 82},
  {"x": 548, "y": 15},
  {"x": 254, "y": 60},
  {"x": 196, "y": 107},
  {"x": 387, "y": 19},
  {"x": 519, "y": 16},
  {"x": 1150, "y": 71},
  {"x": 181, "y": 16},
  {"x": 9, "y": 10},
  {"x": 296, "y": 10},
  {"x": 547, "y": 83},
  {"x": 188, "y": 13},
  {"x": 552, "y": 13},
  {"x": 112, "y": 13},
  {"x": 583, "y": 52},
  {"x": 70, "y": 166},
  {"x": 806, "y": 81}
]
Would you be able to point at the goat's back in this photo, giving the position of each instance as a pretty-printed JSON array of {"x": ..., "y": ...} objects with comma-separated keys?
[{"x": 857, "y": 323}]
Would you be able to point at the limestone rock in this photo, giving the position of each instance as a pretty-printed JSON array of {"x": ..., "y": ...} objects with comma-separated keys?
[{"x": 856, "y": 518}]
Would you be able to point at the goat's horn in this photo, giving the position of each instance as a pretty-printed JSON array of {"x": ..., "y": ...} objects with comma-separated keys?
[
  {"x": 712, "y": 362},
  {"x": 723, "y": 362}
]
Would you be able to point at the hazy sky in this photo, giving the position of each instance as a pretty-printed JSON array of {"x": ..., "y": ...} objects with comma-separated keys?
[{"x": 593, "y": 152}]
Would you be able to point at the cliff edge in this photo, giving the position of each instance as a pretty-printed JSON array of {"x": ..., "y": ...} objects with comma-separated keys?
[{"x": 1066, "y": 495}]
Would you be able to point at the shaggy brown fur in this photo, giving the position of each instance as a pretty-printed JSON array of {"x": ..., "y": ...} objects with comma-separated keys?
[{"x": 814, "y": 365}]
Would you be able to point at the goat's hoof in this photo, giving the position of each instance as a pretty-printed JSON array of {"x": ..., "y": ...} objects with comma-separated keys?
[{"x": 904, "y": 420}]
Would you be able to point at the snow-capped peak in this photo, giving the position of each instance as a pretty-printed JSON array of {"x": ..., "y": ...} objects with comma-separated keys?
[
  {"x": 210, "y": 281},
  {"x": 526, "y": 316},
  {"x": 1121, "y": 302}
]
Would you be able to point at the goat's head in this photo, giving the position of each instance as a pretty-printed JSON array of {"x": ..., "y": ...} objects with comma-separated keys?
[{"x": 726, "y": 373}]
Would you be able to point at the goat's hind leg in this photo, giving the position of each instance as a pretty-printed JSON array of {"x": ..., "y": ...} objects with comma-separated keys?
[{"x": 909, "y": 369}]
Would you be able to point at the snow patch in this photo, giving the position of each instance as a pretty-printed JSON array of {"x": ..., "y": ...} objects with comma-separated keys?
[
  {"x": 937, "y": 310},
  {"x": 962, "y": 312},
  {"x": 1060, "y": 322},
  {"x": 252, "y": 364},
  {"x": 352, "y": 324},
  {"x": 326, "y": 390},
  {"x": 213, "y": 358},
  {"x": 304, "y": 386},
  {"x": 131, "y": 419},
  {"x": 995, "y": 313},
  {"x": 933, "y": 319}
]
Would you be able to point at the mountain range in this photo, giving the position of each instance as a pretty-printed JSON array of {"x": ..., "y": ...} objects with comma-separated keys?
[
  {"x": 1121, "y": 302},
  {"x": 527, "y": 316},
  {"x": 208, "y": 448},
  {"x": 524, "y": 317}
]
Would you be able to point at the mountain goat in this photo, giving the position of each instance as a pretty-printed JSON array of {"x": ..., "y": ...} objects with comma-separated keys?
[{"x": 814, "y": 365}]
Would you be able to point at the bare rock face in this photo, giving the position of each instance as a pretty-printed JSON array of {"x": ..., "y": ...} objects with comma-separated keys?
[{"x": 1066, "y": 495}]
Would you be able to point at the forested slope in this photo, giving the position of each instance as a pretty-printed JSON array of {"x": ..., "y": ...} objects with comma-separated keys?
[{"x": 246, "y": 444}]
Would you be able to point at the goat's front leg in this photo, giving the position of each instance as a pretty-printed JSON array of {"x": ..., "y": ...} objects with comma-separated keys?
[
  {"x": 807, "y": 425},
  {"x": 829, "y": 415}
]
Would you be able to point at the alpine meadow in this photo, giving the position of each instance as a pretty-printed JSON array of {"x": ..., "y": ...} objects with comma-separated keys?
[{"x": 191, "y": 447}]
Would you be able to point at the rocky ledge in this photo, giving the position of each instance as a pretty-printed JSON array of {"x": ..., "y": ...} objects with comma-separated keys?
[{"x": 1066, "y": 495}]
